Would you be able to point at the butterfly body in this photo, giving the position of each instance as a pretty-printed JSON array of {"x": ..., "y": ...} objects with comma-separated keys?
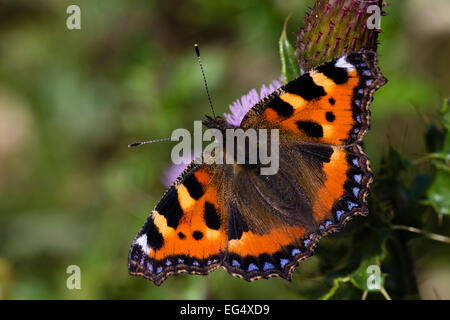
[{"x": 256, "y": 226}]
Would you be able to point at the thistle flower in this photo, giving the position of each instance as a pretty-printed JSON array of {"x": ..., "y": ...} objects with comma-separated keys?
[{"x": 241, "y": 106}]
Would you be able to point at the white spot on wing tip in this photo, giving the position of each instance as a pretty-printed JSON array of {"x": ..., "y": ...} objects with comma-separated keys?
[
  {"x": 343, "y": 63},
  {"x": 142, "y": 242}
]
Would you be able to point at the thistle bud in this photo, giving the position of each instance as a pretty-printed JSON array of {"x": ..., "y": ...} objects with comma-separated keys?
[{"x": 334, "y": 27}]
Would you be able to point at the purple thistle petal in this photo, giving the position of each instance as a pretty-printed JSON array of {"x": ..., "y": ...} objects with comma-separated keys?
[
  {"x": 174, "y": 170},
  {"x": 241, "y": 106}
]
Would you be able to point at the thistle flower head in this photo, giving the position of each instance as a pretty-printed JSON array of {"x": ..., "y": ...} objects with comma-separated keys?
[
  {"x": 241, "y": 106},
  {"x": 334, "y": 27}
]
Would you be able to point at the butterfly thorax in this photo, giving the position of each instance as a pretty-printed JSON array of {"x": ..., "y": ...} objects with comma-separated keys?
[
  {"x": 217, "y": 123},
  {"x": 239, "y": 146}
]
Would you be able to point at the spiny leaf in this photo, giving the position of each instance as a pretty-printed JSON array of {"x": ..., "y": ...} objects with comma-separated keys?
[
  {"x": 336, "y": 284},
  {"x": 438, "y": 195},
  {"x": 368, "y": 277}
]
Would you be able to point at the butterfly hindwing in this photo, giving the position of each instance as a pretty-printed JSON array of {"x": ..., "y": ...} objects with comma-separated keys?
[
  {"x": 340, "y": 188},
  {"x": 275, "y": 253},
  {"x": 268, "y": 219},
  {"x": 334, "y": 183}
]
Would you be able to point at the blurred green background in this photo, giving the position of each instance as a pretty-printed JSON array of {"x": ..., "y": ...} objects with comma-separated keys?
[{"x": 72, "y": 193}]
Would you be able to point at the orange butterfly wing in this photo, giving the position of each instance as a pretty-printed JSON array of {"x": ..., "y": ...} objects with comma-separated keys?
[
  {"x": 322, "y": 115},
  {"x": 329, "y": 104},
  {"x": 184, "y": 233}
]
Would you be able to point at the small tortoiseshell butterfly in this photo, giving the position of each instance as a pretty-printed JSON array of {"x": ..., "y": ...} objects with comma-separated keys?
[{"x": 256, "y": 226}]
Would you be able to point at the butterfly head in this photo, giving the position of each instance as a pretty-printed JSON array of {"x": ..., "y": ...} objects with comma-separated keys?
[{"x": 217, "y": 123}]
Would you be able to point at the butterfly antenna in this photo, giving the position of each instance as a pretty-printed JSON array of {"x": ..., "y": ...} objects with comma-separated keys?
[
  {"x": 197, "y": 51},
  {"x": 135, "y": 144}
]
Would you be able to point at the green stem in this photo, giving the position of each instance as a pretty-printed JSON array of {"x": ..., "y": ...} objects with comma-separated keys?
[
  {"x": 336, "y": 284},
  {"x": 364, "y": 296},
  {"x": 433, "y": 236},
  {"x": 385, "y": 294}
]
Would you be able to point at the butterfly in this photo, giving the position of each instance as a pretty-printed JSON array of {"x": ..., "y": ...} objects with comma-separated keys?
[{"x": 259, "y": 226}]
